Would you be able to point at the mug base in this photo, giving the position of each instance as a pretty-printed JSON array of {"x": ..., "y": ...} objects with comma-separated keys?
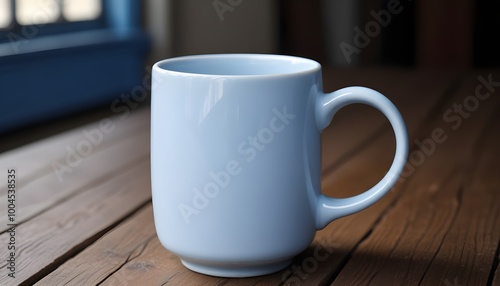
[{"x": 235, "y": 271}]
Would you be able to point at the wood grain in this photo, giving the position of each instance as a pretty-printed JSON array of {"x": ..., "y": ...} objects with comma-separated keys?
[
  {"x": 471, "y": 244},
  {"x": 35, "y": 160},
  {"x": 52, "y": 237},
  {"x": 108, "y": 254},
  {"x": 421, "y": 239},
  {"x": 45, "y": 191}
]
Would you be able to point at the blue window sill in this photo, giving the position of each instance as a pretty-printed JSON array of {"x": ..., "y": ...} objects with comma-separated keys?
[{"x": 52, "y": 76}]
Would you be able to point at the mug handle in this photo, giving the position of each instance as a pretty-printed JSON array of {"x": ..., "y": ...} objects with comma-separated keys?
[{"x": 327, "y": 105}]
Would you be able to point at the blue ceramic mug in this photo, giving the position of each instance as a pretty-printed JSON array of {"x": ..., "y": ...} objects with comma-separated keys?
[{"x": 235, "y": 159}]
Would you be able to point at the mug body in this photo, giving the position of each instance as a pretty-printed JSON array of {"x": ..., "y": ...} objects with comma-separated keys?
[{"x": 235, "y": 160}]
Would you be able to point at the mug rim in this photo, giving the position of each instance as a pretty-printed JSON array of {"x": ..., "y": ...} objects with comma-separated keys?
[{"x": 310, "y": 66}]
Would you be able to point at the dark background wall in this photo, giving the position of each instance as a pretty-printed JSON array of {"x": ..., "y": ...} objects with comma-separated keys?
[{"x": 458, "y": 34}]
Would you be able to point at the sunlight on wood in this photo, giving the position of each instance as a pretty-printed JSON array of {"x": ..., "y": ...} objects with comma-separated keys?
[
  {"x": 30, "y": 12},
  {"x": 5, "y": 16},
  {"x": 81, "y": 10}
]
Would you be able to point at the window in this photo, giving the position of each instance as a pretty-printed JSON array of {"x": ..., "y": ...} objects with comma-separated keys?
[
  {"x": 63, "y": 56},
  {"x": 15, "y": 13}
]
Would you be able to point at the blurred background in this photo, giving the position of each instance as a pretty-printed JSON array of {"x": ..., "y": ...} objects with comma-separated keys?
[{"x": 67, "y": 62}]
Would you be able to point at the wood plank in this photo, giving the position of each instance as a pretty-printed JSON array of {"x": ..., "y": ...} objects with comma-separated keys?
[
  {"x": 420, "y": 239},
  {"x": 108, "y": 254},
  {"x": 44, "y": 192},
  {"x": 471, "y": 244},
  {"x": 52, "y": 237},
  {"x": 35, "y": 159}
]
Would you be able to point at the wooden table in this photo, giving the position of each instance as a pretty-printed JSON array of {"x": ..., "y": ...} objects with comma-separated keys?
[{"x": 83, "y": 201}]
